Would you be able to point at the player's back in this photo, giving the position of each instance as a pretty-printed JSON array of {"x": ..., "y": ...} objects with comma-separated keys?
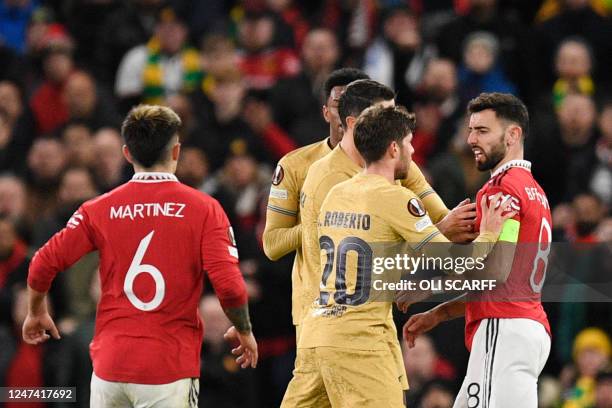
[
  {"x": 354, "y": 217},
  {"x": 151, "y": 234},
  {"x": 520, "y": 295}
]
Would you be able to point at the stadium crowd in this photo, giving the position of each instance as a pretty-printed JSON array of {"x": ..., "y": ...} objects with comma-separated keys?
[{"x": 246, "y": 79}]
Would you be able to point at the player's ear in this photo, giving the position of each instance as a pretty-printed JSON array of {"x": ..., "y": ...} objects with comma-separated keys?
[
  {"x": 126, "y": 154},
  {"x": 176, "y": 151},
  {"x": 513, "y": 135},
  {"x": 350, "y": 121},
  {"x": 394, "y": 149},
  {"x": 325, "y": 111}
]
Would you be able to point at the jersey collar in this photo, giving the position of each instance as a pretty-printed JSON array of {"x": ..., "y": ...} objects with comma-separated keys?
[
  {"x": 153, "y": 177},
  {"x": 524, "y": 164}
]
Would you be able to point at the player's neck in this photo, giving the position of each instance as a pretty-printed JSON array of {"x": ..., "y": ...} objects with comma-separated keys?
[
  {"x": 348, "y": 145},
  {"x": 158, "y": 168},
  {"x": 508, "y": 158},
  {"x": 385, "y": 170}
]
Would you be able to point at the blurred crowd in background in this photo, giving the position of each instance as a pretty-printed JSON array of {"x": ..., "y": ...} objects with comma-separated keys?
[{"x": 246, "y": 78}]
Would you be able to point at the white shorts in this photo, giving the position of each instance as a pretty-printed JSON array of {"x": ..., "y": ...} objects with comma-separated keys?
[
  {"x": 507, "y": 357},
  {"x": 182, "y": 393}
]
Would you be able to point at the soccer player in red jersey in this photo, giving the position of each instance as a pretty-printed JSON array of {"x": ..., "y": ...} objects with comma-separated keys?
[
  {"x": 507, "y": 331},
  {"x": 156, "y": 237}
]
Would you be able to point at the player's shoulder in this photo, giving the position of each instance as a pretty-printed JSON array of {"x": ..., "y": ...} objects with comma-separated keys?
[
  {"x": 305, "y": 154},
  {"x": 318, "y": 171},
  {"x": 511, "y": 181}
]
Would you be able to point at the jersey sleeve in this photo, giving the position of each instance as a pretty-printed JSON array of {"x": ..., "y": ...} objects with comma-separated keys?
[
  {"x": 417, "y": 183},
  {"x": 61, "y": 251},
  {"x": 220, "y": 258},
  {"x": 282, "y": 233}
]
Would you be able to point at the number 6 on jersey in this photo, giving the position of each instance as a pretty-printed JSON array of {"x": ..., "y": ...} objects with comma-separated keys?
[{"x": 136, "y": 268}]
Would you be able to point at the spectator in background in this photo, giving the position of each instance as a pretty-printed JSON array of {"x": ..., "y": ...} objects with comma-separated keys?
[
  {"x": 46, "y": 161},
  {"x": 577, "y": 18},
  {"x": 261, "y": 62},
  {"x": 192, "y": 168},
  {"x": 570, "y": 140},
  {"x": 481, "y": 71},
  {"x": 47, "y": 103},
  {"x": 438, "y": 90},
  {"x": 297, "y": 101},
  {"x": 78, "y": 139},
  {"x": 238, "y": 186},
  {"x": 517, "y": 56},
  {"x": 589, "y": 211},
  {"x": 130, "y": 25},
  {"x": 573, "y": 65},
  {"x": 398, "y": 57},
  {"x": 437, "y": 394},
  {"x": 16, "y": 128},
  {"x": 601, "y": 181},
  {"x": 191, "y": 130},
  {"x": 222, "y": 383},
  {"x": 76, "y": 186},
  {"x": 591, "y": 355},
  {"x": 164, "y": 66},
  {"x": 14, "y": 18},
  {"x": 109, "y": 164},
  {"x": 291, "y": 26},
  {"x": 257, "y": 113},
  {"x": 13, "y": 197},
  {"x": 583, "y": 261},
  {"x": 218, "y": 55},
  {"x": 86, "y": 103},
  {"x": 227, "y": 133}
]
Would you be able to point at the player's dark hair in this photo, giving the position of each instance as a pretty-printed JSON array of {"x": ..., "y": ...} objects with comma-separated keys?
[
  {"x": 506, "y": 106},
  {"x": 341, "y": 77},
  {"x": 147, "y": 131},
  {"x": 377, "y": 127},
  {"x": 360, "y": 95}
]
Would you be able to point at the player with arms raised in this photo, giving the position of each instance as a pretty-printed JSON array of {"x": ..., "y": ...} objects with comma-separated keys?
[
  {"x": 156, "y": 238},
  {"x": 507, "y": 331}
]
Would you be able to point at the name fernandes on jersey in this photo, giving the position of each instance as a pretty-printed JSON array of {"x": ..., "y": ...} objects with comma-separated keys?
[{"x": 143, "y": 210}]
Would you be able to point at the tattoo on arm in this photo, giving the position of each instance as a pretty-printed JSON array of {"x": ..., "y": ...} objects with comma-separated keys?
[{"x": 239, "y": 316}]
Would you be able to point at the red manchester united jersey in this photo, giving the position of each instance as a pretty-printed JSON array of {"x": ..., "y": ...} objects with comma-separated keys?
[
  {"x": 520, "y": 295},
  {"x": 156, "y": 237}
]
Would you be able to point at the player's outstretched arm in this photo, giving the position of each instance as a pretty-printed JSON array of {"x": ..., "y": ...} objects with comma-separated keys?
[
  {"x": 493, "y": 218},
  {"x": 38, "y": 321},
  {"x": 423, "y": 322},
  {"x": 458, "y": 224}
]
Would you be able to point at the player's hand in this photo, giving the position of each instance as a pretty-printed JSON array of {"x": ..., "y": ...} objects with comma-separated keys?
[
  {"x": 495, "y": 213},
  {"x": 458, "y": 225},
  {"x": 405, "y": 298},
  {"x": 35, "y": 328},
  {"x": 418, "y": 324},
  {"x": 247, "y": 350}
]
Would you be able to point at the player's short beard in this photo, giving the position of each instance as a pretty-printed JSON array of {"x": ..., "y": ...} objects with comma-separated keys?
[
  {"x": 497, "y": 153},
  {"x": 401, "y": 172}
]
